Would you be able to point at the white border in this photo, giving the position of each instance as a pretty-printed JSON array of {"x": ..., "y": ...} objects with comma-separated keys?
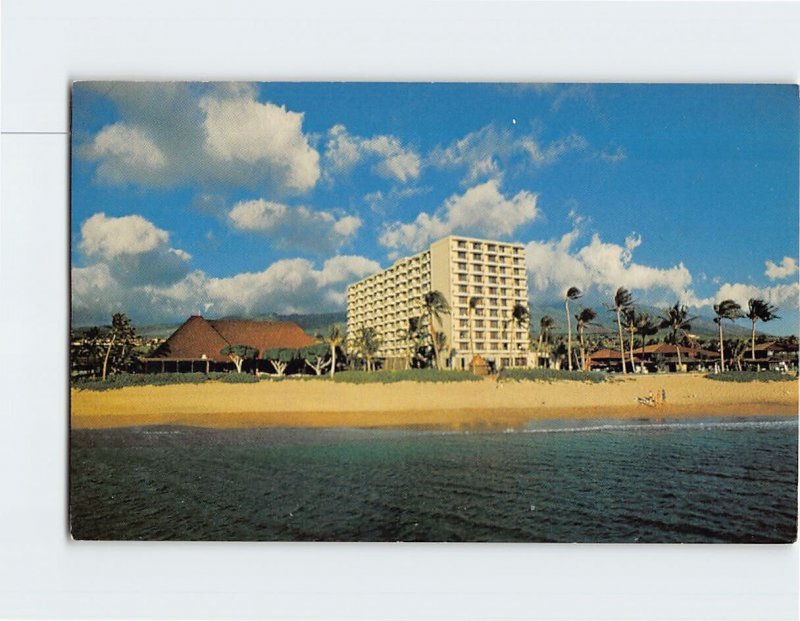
[{"x": 45, "y": 45}]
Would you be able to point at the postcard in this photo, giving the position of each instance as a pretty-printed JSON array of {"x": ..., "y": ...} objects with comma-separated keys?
[{"x": 437, "y": 312}]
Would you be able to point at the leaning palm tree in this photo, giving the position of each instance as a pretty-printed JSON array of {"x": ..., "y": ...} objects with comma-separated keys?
[
  {"x": 546, "y": 324},
  {"x": 519, "y": 318},
  {"x": 758, "y": 309},
  {"x": 622, "y": 300},
  {"x": 435, "y": 305},
  {"x": 573, "y": 293},
  {"x": 629, "y": 317},
  {"x": 727, "y": 309},
  {"x": 333, "y": 340},
  {"x": 473, "y": 304},
  {"x": 585, "y": 317},
  {"x": 676, "y": 320}
]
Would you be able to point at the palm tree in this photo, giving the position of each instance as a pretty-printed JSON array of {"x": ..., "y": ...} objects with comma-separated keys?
[
  {"x": 435, "y": 305},
  {"x": 629, "y": 317},
  {"x": 546, "y": 324},
  {"x": 473, "y": 304},
  {"x": 585, "y": 318},
  {"x": 410, "y": 335},
  {"x": 758, "y": 309},
  {"x": 333, "y": 340},
  {"x": 367, "y": 344},
  {"x": 573, "y": 293},
  {"x": 676, "y": 320},
  {"x": 727, "y": 309},
  {"x": 622, "y": 300},
  {"x": 645, "y": 327},
  {"x": 738, "y": 348},
  {"x": 519, "y": 318}
]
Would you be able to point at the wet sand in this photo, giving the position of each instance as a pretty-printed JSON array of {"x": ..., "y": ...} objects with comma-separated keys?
[{"x": 312, "y": 403}]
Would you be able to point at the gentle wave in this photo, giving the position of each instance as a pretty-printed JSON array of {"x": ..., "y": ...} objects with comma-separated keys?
[{"x": 772, "y": 424}]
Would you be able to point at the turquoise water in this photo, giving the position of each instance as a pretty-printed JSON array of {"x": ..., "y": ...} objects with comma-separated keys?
[{"x": 600, "y": 481}]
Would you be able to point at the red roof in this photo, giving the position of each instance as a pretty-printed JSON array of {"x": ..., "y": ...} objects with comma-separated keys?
[{"x": 199, "y": 337}]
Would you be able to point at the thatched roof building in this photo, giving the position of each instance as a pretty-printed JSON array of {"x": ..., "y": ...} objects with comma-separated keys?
[{"x": 200, "y": 339}]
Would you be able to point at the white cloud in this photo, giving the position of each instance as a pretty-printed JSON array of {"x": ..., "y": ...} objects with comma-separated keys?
[
  {"x": 779, "y": 295},
  {"x": 110, "y": 237},
  {"x": 782, "y": 270},
  {"x": 296, "y": 227},
  {"x": 175, "y": 133},
  {"x": 556, "y": 265},
  {"x": 120, "y": 148},
  {"x": 344, "y": 151},
  {"x": 244, "y": 131},
  {"x": 489, "y": 151},
  {"x": 287, "y": 286},
  {"x": 546, "y": 155},
  {"x": 481, "y": 210},
  {"x": 132, "y": 249}
]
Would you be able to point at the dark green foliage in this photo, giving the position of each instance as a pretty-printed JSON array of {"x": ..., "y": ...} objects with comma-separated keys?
[
  {"x": 551, "y": 375},
  {"x": 751, "y": 376},
  {"x": 121, "y": 380},
  {"x": 409, "y": 375},
  {"x": 280, "y": 355}
]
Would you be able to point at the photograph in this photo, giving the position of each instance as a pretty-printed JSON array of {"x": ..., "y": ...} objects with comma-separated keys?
[{"x": 501, "y": 312}]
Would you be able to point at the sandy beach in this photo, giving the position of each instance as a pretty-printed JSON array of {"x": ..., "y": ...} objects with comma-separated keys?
[{"x": 293, "y": 403}]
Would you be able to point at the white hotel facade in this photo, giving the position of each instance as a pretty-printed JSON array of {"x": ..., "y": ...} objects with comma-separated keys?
[{"x": 460, "y": 268}]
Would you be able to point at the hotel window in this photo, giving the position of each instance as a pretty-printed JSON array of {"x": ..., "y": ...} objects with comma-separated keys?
[
  {"x": 493, "y": 279},
  {"x": 476, "y": 256},
  {"x": 492, "y": 290},
  {"x": 462, "y": 267},
  {"x": 462, "y": 255},
  {"x": 476, "y": 245},
  {"x": 494, "y": 336},
  {"x": 502, "y": 270},
  {"x": 477, "y": 278},
  {"x": 479, "y": 323},
  {"x": 493, "y": 323},
  {"x": 479, "y": 335},
  {"x": 503, "y": 291},
  {"x": 477, "y": 290},
  {"x": 492, "y": 313},
  {"x": 479, "y": 345},
  {"x": 463, "y": 323},
  {"x": 462, "y": 300},
  {"x": 492, "y": 269},
  {"x": 463, "y": 335},
  {"x": 493, "y": 301},
  {"x": 462, "y": 288},
  {"x": 462, "y": 244}
]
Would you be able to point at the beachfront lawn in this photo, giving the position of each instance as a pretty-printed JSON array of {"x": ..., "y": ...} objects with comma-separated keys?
[
  {"x": 121, "y": 380},
  {"x": 551, "y": 375},
  {"x": 408, "y": 375},
  {"x": 752, "y": 376}
]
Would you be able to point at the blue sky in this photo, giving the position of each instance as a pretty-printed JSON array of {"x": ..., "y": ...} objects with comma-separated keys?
[{"x": 223, "y": 198}]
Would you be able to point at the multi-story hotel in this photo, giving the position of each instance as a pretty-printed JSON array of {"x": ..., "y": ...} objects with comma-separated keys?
[{"x": 460, "y": 268}]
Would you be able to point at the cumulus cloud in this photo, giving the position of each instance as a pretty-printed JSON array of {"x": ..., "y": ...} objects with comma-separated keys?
[
  {"x": 175, "y": 133},
  {"x": 391, "y": 160},
  {"x": 784, "y": 269},
  {"x": 296, "y": 227},
  {"x": 287, "y": 286},
  {"x": 555, "y": 265},
  {"x": 132, "y": 249},
  {"x": 481, "y": 210},
  {"x": 110, "y": 237},
  {"x": 780, "y": 295},
  {"x": 487, "y": 152}
]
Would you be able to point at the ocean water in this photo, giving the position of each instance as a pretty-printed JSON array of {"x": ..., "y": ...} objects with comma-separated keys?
[{"x": 706, "y": 480}]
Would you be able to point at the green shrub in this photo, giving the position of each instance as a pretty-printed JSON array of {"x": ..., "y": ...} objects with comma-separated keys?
[
  {"x": 551, "y": 375},
  {"x": 751, "y": 376},
  {"x": 122, "y": 380},
  {"x": 408, "y": 375}
]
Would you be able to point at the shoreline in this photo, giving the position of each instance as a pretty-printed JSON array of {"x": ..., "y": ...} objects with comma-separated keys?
[{"x": 468, "y": 405}]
